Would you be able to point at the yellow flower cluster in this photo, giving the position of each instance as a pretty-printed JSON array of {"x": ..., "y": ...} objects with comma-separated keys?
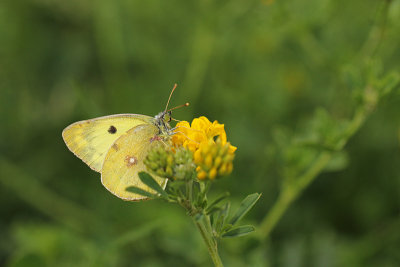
[
  {"x": 213, "y": 158},
  {"x": 201, "y": 130}
]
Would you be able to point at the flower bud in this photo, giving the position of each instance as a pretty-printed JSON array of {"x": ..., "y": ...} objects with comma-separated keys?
[
  {"x": 213, "y": 160},
  {"x": 170, "y": 163}
]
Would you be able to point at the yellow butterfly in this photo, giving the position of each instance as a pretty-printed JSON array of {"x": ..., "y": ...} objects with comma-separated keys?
[{"x": 116, "y": 146}]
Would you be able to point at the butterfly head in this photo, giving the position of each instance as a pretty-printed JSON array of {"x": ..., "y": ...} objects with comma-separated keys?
[
  {"x": 167, "y": 116},
  {"x": 163, "y": 118}
]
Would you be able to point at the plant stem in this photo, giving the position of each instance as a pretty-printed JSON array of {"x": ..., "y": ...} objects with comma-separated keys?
[
  {"x": 377, "y": 32},
  {"x": 189, "y": 190},
  {"x": 290, "y": 192},
  {"x": 209, "y": 241}
]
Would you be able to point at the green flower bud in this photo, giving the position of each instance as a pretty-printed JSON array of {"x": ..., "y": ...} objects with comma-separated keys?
[{"x": 171, "y": 164}]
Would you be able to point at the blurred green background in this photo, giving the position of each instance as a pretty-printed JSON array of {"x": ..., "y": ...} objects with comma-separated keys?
[{"x": 256, "y": 66}]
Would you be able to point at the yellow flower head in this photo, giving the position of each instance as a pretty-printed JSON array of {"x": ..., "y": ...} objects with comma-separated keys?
[
  {"x": 213, "y": 158},
  {"x": 201, "y": 130}
]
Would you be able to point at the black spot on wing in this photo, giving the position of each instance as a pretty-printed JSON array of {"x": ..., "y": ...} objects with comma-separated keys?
[{"x": 112, "y": 129}]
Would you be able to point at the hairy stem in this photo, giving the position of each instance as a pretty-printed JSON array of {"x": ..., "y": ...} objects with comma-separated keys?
[
  {"x": 290, "y": 192},
  {"x": 209, "y": 241}
]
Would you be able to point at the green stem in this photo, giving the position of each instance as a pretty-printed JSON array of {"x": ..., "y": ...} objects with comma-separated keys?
[
  {"x": 291, "y": 191},
  {"x": 203, "y": 224},
  {"x": 210, "y": 242},
  {"x": 189, "y": 190},
  {"x": 377, "y": 32}
]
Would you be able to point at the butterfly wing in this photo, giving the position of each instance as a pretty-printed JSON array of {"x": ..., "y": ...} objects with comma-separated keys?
[
  {"x": 90, "y": 140},
  {"x": 124, "y": 161}
]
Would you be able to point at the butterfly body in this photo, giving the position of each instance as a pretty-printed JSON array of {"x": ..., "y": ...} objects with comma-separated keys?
[{"x": 116, "y": 146}]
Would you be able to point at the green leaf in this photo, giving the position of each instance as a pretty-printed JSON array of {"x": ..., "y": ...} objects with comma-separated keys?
[
  {"x": 390, "y": 82},
  {"x": 239, "y": 231},
  {"x": 213, "y": 210},
  {"x": 139, "y": 191},
  {"x": 212, "y": 219},
  {"x": 225, "y": 211},
  {"x": 244, "y": 207},
  {"x": 226, "y": 228},
  {"x": 216, "y": 201},
  {"x": 220, "y": 219},
  {"x": 148, "y": 180}
]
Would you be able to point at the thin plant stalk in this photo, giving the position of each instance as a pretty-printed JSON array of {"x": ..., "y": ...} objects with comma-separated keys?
[
  {"x": 290, "y": 192},
  {"x": 209, "y": 241}
]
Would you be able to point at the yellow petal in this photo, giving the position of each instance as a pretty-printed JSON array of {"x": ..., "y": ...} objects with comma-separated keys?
[
  {"x": 208, "y": 161},
  {"x": 202, "y": 175},
  {"x": 217, "y": 161},
  {"x": 213, "y": 173},
  {"x": 232, "y": 149},
  {"x": 222, "y": 169},
  {"x": 205, "y": 120},
  {"x": 192, "y": 146},
  {"x": 182, "y": 127},
  {"x": 198, "y": 159},
  {"x": 199, "y": 124}
]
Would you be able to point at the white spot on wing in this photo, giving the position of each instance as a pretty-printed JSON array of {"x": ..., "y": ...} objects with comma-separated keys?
[{"x": 131, "y": 160}]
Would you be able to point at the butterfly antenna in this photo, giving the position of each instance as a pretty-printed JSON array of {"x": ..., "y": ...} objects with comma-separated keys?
[
  {"x": 180, "y": 106},
  {"x": 169, "y": 98}
]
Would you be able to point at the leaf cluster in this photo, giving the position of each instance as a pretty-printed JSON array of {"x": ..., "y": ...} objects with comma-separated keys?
[{"x": 192, "y": 196}]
